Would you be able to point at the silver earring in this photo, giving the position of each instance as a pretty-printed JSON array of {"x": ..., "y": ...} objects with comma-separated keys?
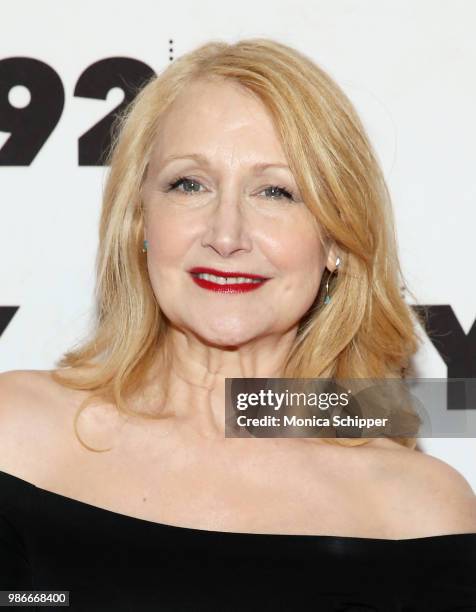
[
  {"x": 327, "y": 298},
  {"x": 144, "y": 248}
]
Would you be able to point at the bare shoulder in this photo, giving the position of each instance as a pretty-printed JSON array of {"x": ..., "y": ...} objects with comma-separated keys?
[
  {"x": 30, "y": 420},
  {"x": 21, "y": 391},
  {"x": 30, "y": 390},
  {"x": 423, "y": 495}
]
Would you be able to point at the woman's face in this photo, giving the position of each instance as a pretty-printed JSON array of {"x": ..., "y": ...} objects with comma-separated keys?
[{"x": 231, "y": 215}]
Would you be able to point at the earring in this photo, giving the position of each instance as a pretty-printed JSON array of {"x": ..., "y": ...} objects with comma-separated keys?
[
  {"x": 144, "y": 248},
  {"x": 327, "y": 299}
]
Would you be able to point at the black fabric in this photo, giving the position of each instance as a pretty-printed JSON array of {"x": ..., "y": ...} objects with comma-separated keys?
[{"x": 111, "y": 561}]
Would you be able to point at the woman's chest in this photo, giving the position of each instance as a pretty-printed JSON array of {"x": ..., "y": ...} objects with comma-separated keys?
[{"x": 259, "y": 487}]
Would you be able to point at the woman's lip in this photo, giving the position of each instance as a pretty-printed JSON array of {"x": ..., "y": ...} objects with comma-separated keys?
[
  {"x": 201, "y": 270},
  {"x": 227, "y": 287}
]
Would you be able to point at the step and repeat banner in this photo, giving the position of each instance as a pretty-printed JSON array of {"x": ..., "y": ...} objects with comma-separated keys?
[{"x": 67, "y": 67}]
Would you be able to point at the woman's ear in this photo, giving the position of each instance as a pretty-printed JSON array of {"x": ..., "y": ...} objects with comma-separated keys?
[{"x": 332, "y": 256}]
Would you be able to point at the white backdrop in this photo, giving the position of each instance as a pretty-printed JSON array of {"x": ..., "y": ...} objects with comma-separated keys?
[{"x": 408, "y": 66}]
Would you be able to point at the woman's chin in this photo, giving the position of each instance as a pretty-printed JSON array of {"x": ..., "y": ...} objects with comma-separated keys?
[{"x": 226, "y": 338}]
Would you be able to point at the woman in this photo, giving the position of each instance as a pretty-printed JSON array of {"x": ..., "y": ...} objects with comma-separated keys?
[{"x": 118, "y": 483}]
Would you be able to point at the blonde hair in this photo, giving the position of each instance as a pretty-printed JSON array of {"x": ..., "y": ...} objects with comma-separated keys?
[{"x": 368, "y": 331}]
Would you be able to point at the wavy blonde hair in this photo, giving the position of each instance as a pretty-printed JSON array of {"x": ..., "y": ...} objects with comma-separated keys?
[{"x": 368, "y": 331}]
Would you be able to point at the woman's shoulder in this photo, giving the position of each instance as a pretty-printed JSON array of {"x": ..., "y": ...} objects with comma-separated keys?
[
  {"x": 23, "y": 394},
  {"x": 423, "y": 494},
  {"x": 26, "y": 382},
  {"x": 31, "y": 422},
  {"x": 27, "y": 393}
]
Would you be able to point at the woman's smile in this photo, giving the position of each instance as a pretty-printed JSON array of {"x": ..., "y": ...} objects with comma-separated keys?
[{"x": 226, "y": 282}]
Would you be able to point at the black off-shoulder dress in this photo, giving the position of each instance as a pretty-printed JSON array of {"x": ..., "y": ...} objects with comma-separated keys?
[{"x": 113, "y": 562}]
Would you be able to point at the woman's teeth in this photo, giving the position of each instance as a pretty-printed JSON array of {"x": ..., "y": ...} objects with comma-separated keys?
[{"x": 228, "y": 280}]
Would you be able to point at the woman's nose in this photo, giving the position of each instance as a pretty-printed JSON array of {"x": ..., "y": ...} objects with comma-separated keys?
[{"x": 226, "y": 228}]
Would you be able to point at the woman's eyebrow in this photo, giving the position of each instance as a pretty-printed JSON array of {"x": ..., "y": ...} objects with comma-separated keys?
[{"x": 206, "y": 162}]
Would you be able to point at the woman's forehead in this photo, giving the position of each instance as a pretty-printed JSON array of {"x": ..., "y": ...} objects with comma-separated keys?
[
  {"x": 214, "y": 131},
  {"x": 214, "y": 107}
]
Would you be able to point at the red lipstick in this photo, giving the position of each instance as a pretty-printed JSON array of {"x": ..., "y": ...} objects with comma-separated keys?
[{"x": 255, "y": 280}]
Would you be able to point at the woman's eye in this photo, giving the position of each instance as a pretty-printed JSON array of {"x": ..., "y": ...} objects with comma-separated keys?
[
  {"x": 279, "y": 191},
  {"x": 192, "y": 186},
  {"x": 182, "y": 180}
]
